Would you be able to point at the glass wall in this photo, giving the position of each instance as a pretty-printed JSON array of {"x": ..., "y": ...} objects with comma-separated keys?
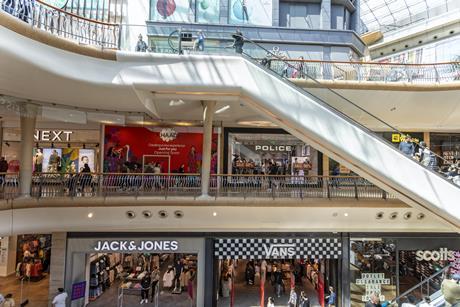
[{"x": 446, "y": 145}]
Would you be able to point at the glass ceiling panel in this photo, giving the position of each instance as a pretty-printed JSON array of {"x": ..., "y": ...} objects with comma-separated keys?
[{"x": 388, "y": 15}]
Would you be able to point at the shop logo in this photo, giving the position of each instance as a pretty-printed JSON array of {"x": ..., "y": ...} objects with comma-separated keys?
[
  {"x": 442, "y": 255},
  {"x": 52, "y": 135},
  {"x": 125, "y": 245},
  {"x": 273, "y": 147},
  {"x": 279, "y": 250},
  {"x": 168, "y": 134}
]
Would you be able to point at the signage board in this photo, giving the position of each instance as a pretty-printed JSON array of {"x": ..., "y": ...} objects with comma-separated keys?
[
  {"x": 136, "y": 246},
  {"x": 443, "y": 254},
  {"x": 52, "y": 135},
  {"x": 373, "y": 283},
  {"x": 78, "y": 290}
]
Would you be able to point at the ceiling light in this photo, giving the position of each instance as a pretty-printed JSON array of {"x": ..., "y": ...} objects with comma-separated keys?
[
  {"x": 185, "y": 124},
  {"x": 223, "y": 109},
  {"x": 345, "y": 214},
  {"x": 214, "y": 214},
  {"x": 175, "y": 103},
  {"x": 90, "y": 215},
  {"x": 257, "y": 123}
]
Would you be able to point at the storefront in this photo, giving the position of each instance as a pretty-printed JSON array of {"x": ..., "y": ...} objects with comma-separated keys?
[
  {"x": 142, "y": 149},
  {"x": 446, "y": 145},
  {"x": 256, "y": 151},
  {"x": 391, "y": 265},
  {"x": 56, "y": 150},
  {"x": 252, "y": 270},
  {"x": 112, "y": 271}
]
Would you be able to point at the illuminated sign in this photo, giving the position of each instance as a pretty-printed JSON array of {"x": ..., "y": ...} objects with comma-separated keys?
[
  {"x": 168, "y": 134},
  {"x": 273, "y": 147},
  {"x": 442, "y": 255},
  {"x": 52, "y": 135},
  {"x": 133, "y": 246}
]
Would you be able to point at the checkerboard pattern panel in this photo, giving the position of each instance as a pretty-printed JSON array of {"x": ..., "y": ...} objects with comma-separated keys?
[{"x": 328, "y": 248}]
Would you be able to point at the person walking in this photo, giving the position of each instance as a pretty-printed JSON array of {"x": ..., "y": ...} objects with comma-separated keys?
[
  {"x": 141, "y": 46},
  {"x": 407, "y": 147},
  {"x": 145, "y": 284},
  {"x": 271, "y": 302},
  {"x": 199, "y": 42},
  {"x": 277, "y": 281},
  {"x": 8, "y": 301},
  {"x": 60, "y": 299},
  {"x": 304, "y": 301},
  {"x": 238, "y": 41},
  {"x": 3, "y": 169},
  {"x": 331, "y": 297},
  {"x": 155, "y": 278},
  {"x": 292, "y": 298}
]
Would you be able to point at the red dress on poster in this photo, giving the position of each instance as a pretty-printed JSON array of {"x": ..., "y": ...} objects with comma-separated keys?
[{"x": 320, "y": 290}]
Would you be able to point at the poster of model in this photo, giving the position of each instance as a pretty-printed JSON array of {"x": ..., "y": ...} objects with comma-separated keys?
[
  {"x": 51, "y": 159},
  {"x": 86, "y": 156},
  {"x": 69, "y": 160},
  {"x": 300, "y": 166},
  {"x": 208, "y": 11},
  {"x": 172, "y": 10},
  {"x": 253, "y": 12}
]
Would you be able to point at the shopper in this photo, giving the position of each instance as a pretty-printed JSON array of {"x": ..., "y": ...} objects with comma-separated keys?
[
  {"x": 141, "y": 46},
  {"x": 331, "y": 297},
  {"x": 199, "y": 42},
  {"x": 277, "y": 280},
  {"x": 145, "y": 284},
  {"x": 178, "y": 269},
  {"x": 271, "y": 302},
  {"x": 3, "y": 169},
  {"x": 427, "y": 158},
  {"x": 450, "y": 288},
  {"x": 168, "y": 278},
  {"x": 60, "y": 299},
  {"x": 155, "y": 277},
  {"x": 292, "y": 298},
  {"x": 406, "y": 146},
  {"x": 304, "y": 301},
  {"x": 410, "y": 302},
  {"x": 238, "y": 41},
  {"x": 8, "y": 301}
]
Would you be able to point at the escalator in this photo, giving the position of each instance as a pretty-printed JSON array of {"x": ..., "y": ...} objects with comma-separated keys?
[{"x": 308, "y": 118}]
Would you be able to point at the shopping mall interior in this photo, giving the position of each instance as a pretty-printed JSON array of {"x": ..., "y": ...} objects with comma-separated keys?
[{"x": 217, "y": 153}]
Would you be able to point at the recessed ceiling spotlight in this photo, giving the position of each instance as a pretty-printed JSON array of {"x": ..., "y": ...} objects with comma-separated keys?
[
  {"x": 420, "y": 216},
  {"x": 147, "y": 214},
  {"x": 345, "y": 214},
  {"x": 379, "y": 215},
  {"x": 335, "y": 214},
  {"x": 393, "y": 215},
  {"x": 130, "y": 214},
  {"x": 179, "y": 214},
  {"x": 214, "y": 214},
  {"x": 162, "y": 214},
  {"x": 407, "y": 215},
  {"x": 90, "y": 215}
]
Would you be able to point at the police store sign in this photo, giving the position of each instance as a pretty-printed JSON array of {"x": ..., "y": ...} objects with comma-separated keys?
[{"x": 136, "y": 246}]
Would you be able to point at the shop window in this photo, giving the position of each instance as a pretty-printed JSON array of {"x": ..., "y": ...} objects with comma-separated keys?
[
  {"x": 372, "y": 270},
  {"x": 446, "y": 145}
]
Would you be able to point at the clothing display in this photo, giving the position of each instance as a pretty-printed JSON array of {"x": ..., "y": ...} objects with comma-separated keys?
[
  {"x": 33, "y": 256},
  {"x": 104, "y": 268}
]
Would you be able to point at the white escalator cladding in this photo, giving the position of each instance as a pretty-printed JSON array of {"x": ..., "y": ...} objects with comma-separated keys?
[{"x": 307, "y": 118}]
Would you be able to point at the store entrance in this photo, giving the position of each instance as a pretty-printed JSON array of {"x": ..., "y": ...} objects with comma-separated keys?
[
  {"x": 286, "y": 282},
  {"x": 152, "y": 280}
]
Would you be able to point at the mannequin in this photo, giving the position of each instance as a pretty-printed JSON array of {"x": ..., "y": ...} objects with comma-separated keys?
[{"x": 38, "y": 161}]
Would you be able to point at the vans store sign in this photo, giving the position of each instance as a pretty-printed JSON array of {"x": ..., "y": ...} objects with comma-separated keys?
[
  {"x": 136, "y": 246},
  {"x": 278, "y": 248}
]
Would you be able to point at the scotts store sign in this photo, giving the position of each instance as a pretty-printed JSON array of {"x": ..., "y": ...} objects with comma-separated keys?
[{"x": 443, "y": 254}]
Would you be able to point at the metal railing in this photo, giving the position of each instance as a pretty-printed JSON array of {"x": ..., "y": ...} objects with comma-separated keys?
[
  {"x": 64, "y": 24},
  {"x": 365, "y": 71},
  {"x": 53, "y": 185}
]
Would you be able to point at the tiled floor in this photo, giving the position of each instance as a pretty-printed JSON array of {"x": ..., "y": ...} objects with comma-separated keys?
[{"x": 35, "y": 292}]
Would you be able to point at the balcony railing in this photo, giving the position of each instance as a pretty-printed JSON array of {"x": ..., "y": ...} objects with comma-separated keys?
[
  {"x": 64, "y": 24},
  {"x": 54, "y": 185},
  {"x": 365, "y": 71}
]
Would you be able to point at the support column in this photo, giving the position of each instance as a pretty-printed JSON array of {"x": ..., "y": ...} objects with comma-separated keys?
[
  {"x": 57, "y": 265},
  {"x": 28, "y": 117},
  {"x": 344, "y": 266},
  {"x": 325, "y": 165},
  {"x": 325, "y": 15},
  {"x": 208, "y": 115},
  {"x": 426, "y": 139},
  {"x": 8, "y": 247}
]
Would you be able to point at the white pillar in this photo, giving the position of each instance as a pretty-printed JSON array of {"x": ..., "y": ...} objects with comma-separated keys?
[
  {"x": 28, "y": 117},
  {"x": 8, "y": 255},
  {"x": 208, "y": 115}
]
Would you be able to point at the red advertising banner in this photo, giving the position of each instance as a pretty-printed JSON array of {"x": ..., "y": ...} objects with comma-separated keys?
[{"x": 141, "y": 149}]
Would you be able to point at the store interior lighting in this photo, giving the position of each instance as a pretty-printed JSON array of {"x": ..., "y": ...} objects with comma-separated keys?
[
  {"x": 176, "y": 102},
  {"x": 223, "y": 109}
]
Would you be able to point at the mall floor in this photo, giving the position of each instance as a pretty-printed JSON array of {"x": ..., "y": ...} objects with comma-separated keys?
[
  {"x": 35, "y": 292},
  {"x": 249, "y": 296}
]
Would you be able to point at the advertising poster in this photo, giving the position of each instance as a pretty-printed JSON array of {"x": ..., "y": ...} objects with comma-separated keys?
[
  {"x": 86, "y": 156},
  {"x": 137, "y": 147},
  {"x": 251, "y": 12},
  {"x": 172, "y": 10},
  {"x": 208, "y": 11},
  {"x": 300, "y": 166},
  {"x": 51, "y": 159},
  {"x": 69, "y": 161}
]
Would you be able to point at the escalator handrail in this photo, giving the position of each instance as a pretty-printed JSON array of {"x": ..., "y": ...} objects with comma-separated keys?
[
  {"x": 405, "y": 293},
  {"x": 341, "y": 114}
]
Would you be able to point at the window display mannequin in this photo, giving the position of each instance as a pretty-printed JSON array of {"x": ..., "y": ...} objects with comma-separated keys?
[
  {"x": 38, "y": 161},
  {"x": 53, "y": 162}
]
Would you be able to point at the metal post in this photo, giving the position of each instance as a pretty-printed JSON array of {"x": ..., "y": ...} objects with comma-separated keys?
[{"x": 180, "y": 41}]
